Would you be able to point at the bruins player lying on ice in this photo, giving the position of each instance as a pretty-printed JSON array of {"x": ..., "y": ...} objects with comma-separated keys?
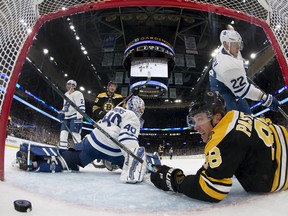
[{"x": 251, "y": 149}]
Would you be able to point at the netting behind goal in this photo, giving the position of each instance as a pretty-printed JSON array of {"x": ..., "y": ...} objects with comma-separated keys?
[{"x": 20, "y": 21}]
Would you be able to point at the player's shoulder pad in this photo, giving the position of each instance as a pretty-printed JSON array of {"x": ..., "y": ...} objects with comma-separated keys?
[
  {"x": 102, "y": 95},
  {"x": 78, "y": 92},
  {"x": 117, "y": 95},
  {"x": 132, "y": 117}
]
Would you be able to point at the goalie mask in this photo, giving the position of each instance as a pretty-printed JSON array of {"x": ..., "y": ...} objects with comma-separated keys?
[
  {"x": 137, "y": 105},
  {"x": 229, "y": 36},
  {"x": 211, "y": 103}
]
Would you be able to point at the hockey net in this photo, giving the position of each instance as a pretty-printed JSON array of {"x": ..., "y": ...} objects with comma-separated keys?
[{"x": 20, "y": 21}]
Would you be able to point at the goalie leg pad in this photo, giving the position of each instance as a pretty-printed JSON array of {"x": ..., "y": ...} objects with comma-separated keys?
[
  {"x": 38, "y": 158},
  {"x": 133, "y": 171}
]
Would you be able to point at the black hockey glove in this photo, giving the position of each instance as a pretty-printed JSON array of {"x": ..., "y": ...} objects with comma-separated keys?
[
  {"x": 98, "y": 114},
  {"x": 167, "y": 178},
  {"x": 135, "y": 91}
]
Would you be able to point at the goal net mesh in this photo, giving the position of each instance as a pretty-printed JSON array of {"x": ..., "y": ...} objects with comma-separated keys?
[{"x": 18, "y": 19}]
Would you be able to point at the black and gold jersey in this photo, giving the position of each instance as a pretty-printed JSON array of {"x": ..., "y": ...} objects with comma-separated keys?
[
  {"x": 251, "y": 149},
  {"x": 161, "y": 149},
  {"x": 104, "y": 103}
]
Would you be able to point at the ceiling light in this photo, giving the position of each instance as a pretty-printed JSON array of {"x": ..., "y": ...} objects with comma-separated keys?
[
  {"x": 126, "y": 17},
  {"x": 189, "y": 19},
  {"x": 253, "y": 55},
  {"x": 215, "y": 52},
  {"x": 51, "y": 58},
  {"x": 45, "y": 51},
  {"x": 66, "y": 75},
  {"x": 173, "y": 18},
  {"x": 110, "y": 18},
  {"x": 89, "y": 92},
  {"x": 82, "y": 88},
  {"x": 141, "y": 16},
  {"x": 77, "y": 38}
]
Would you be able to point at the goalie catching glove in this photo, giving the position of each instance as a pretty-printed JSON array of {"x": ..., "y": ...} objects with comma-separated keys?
[{"x": 167, "y": 178}]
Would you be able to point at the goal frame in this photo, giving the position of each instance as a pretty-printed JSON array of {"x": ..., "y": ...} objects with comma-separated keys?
[{"x": 100, "y": 5}]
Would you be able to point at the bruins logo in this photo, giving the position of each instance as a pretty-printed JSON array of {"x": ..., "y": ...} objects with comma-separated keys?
[{"x": 108, "y": 106}]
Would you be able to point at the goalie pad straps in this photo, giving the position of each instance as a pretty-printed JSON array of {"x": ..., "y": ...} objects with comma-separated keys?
[{"x": 133, "y": 171}]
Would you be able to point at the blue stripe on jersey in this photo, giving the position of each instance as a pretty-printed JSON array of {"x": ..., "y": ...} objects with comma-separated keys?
[
  {"x": 239, "y": 90},
  {"x": 70, "y": 115},
  {"x": 127, "y": 139},
  {"x": 129, "y": 134},
  {"x": 247, "y": 90},
  {"x": 102, "y": 145}
]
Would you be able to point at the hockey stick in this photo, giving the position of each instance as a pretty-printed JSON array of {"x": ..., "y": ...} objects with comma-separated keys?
[
  {"x": 75, "y": 140},
  {"x": 136, "y": 92},
  {"x": 120, "y": 145},
  {"x": 284, "y": 114}
]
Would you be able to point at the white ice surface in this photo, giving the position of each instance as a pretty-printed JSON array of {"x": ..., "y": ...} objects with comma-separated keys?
[{"x": 99, "y": 192}]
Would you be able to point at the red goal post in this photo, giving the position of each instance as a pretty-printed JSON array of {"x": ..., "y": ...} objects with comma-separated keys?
[{"x": 20, "y": 21}]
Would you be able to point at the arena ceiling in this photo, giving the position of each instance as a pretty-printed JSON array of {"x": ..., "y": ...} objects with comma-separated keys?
[{"x": 194, "y": 36}]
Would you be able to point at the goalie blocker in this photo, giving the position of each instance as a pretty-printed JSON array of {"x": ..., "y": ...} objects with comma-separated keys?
[{"x": 38, "y": 158}]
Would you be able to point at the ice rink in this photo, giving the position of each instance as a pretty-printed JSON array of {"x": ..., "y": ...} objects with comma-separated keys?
[{"x": 99, "y": 192}]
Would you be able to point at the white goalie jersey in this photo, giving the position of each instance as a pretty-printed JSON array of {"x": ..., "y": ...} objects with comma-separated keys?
[
  {"x": 231, "y": 72},
  {"x": 78, "y": 99},
  {"x": 121, "y": 124}
]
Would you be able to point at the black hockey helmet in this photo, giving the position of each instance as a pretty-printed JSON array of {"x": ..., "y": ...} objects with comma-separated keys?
[{"x": 209, "y": 103}]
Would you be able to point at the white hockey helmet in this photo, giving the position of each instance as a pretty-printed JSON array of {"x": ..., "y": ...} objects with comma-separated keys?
[
  {"x": 230, "y": 36},
  {"x": 137, "y": 105},
  {"x": 72, "y": 82}
]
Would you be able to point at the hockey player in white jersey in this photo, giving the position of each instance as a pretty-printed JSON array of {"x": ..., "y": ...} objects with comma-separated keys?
[
  {"x": 70, "y": 118},
  {"x": 228, "y": 76},
  {"x": 124, "y": 126},
  {"x": 121, "y": 124}
]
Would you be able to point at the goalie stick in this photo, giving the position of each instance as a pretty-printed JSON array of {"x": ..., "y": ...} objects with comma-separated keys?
[{"x": 88, "y": 118}]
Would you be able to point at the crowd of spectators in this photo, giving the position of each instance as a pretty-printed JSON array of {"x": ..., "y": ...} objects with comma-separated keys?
[{"x": 28, "y": 124}]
